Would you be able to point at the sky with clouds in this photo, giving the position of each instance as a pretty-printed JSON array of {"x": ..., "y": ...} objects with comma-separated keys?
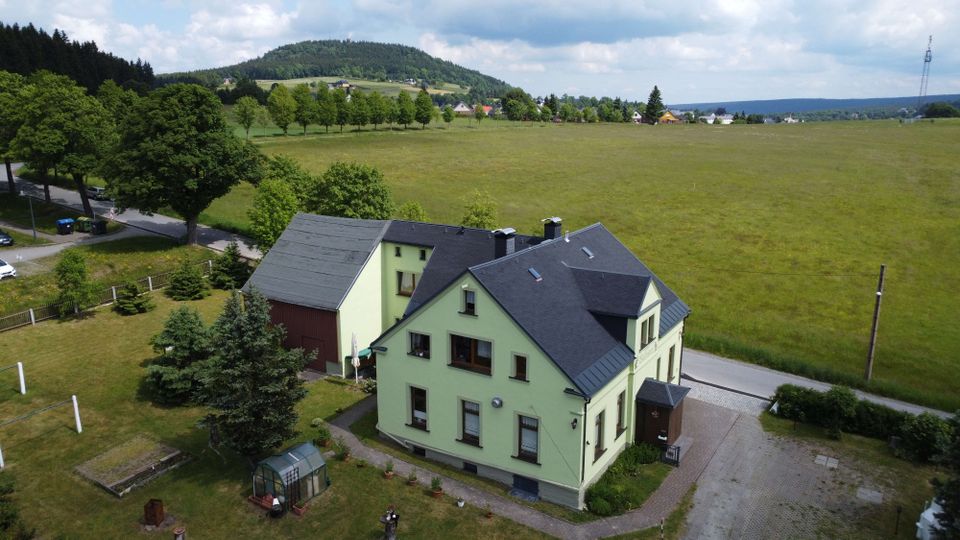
[{"x": 695, "y": 50}]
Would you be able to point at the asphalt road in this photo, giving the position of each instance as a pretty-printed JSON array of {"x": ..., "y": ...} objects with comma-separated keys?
[
  {"x": 760, "y": 381},
  {"x": 157, "y": 224}
]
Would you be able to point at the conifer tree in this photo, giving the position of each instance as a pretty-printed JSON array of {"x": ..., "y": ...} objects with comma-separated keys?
[
  {"x": 132, "y": 300},
  {"x": 230, "y": 271},
  {"x": 184, "y": 345},
  {"x": 252, "y": 381},
  {"x": 654, "y": 108},
  {"x": 188, "y": 283}
]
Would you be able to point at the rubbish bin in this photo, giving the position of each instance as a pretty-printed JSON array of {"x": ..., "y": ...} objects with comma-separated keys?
[
  {"x": 65, "y": 226},
  {"x": 82, "y": 224},
  {"x": 98, "y": 227}
]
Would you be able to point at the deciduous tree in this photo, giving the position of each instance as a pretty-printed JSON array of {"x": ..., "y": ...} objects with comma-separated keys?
[
  {"x": 326, "y": 108},
  {"x": 479, "y": 113},
  {"x": 406, "y": 110},
  {"x": 11, "y": 84},
  {"x": 274, "y": 206},
  {"x": 377, "y": 106},
  {"x": 424, "y": 108},
  {"x": 359, "y": 110},
  {"x": 351, "y": 190},
  {"x": 479, "y": 211},
  {"x": 176, "y": 151},
  {"x": 411, "y": 211},
  {"x": 342, "y": 108},
  {"x": 245, "y": 112},
  {"x": 253, "y": 381},
  {"x": 306, "y": 112},
  {"x": 282, "y": 107},
  {"x": 448, "y": 114},
  {"x": 76, "y": 292}
]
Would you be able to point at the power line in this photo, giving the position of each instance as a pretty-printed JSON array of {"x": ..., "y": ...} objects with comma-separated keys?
[{"x": 762, "y": 272}]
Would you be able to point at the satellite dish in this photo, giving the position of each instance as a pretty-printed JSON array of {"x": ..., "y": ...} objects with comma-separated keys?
[{"x": 496, "y": 402}]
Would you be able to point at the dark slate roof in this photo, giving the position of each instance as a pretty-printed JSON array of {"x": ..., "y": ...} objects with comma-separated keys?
[
  {"x": 556, "y": 310},
  {"x": 455, "y": 249},
  {"x": 316, "y": 260},
  {"x": 611, "y": 293},
  {"x": 661, "y": 393}
]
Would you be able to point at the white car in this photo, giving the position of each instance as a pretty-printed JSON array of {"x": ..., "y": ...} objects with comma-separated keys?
[{"x": 6, "y": 270}]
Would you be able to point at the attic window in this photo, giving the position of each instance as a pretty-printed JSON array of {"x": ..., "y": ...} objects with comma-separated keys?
[
  {"x": 586, "y": 250},
  {"x": 536, "y": 275}
]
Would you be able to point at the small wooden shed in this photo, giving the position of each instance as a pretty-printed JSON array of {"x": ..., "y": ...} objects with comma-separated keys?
[
  {"x": 659, "y": 418},
  {"x": 294, "y": 476}
]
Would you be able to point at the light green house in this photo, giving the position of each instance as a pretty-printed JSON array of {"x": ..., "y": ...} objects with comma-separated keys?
[
  {"x": 518, "y": 358},
  {"x": 526, "y": 368}
]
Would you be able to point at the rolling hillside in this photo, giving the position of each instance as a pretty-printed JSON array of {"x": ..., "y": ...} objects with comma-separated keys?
[{"x": 348, "y": 59}]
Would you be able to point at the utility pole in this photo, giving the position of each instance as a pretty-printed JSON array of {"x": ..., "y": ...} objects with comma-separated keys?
[{"x": 876, "y": 321}]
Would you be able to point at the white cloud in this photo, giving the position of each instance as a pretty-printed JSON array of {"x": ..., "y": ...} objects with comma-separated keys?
[{"x": 243, "y": 22}]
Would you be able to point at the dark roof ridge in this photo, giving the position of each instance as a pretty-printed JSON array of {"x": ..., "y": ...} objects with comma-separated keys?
[
  {"x": 600, "y": 271},
  {"x": 526, "y": 250}
]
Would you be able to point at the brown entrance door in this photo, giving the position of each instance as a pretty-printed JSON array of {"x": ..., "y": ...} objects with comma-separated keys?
[{"x": 313, "y": 344}]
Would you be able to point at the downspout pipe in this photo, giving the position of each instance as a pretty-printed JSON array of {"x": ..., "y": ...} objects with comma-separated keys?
[{"x": 583, "y": 445}]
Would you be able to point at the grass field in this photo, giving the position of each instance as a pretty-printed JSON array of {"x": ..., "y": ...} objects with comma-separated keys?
[
  {"x": 20, "y": 240},
  {"x": 208, "y": 494},
  {"x": 386, "y": 88},
  {"x": 108, "y": 263},
  {"x": 773, "y": 234}
]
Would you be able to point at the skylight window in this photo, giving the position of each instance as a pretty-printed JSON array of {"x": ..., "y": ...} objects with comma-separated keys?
[
  {"x": 535, "y": 274},
  {"x": 587, "y": 251}
]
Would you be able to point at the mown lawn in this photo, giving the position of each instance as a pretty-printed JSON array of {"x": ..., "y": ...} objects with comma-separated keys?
[
  {"x": 773, "y": 234},
  {"x": 108, "y": 264},
  {"x": 904, "y": 484},
  {"x": 20, "y": 240},
  {"x": 102, "y": 360}
]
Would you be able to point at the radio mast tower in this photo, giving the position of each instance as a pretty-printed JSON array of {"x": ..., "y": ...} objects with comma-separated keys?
[{"x": 926, "y": 75}]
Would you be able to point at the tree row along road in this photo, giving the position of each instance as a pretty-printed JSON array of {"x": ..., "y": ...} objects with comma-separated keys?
[{"x": 157, "y": 223}]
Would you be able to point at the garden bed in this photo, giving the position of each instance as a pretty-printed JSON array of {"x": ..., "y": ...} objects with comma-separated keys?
[{"x": 131, "y": 464}]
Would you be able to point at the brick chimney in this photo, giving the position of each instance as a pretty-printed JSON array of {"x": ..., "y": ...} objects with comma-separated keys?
[{"x": 504, "y": 242}]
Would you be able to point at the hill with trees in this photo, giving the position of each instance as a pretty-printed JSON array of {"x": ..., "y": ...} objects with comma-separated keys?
[
  {"x": 26, "y": 50},
  {"x": 348, "y": 59}
]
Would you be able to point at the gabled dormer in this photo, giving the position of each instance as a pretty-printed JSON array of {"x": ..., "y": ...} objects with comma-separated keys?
[{"x": 626, "y": 305}]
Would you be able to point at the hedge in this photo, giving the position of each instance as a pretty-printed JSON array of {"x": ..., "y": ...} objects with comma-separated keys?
[{"x": 921, "y": 437}]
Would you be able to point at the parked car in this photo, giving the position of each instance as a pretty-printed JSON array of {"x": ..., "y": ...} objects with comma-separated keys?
[
  {"x": 5, "y": 239},
  {"x": 97, "y": 193},
  {"x": 6, "y": 270}
]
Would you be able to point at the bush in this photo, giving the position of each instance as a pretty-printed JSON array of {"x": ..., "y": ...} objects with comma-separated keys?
[
  {"x": 923, "y": 437},
  {"x": 132, "y": 300},
  {"x": 877, "y": 421},
  {"x": 76, "y": 292},
  {"x": 369, "y": 386},
  {"x": 436, "y": 484},
  {"x": 340, "y": 449},
  {"x": 188, "y": 283},
  {"x": 604, "y": 499},
  {"x": 323, "y": 434}
]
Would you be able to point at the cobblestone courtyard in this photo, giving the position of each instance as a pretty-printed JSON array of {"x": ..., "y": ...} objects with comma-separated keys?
[{"x": 760, "y": 485}]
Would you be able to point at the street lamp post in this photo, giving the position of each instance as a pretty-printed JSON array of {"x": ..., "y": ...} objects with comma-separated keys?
[{"x": 33, "y": 222}]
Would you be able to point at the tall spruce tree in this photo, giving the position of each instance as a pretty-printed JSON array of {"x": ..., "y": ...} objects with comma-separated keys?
[
  {"x": 252, "y": 381},
  {"x": 230, "y": 271},
  {"x": 654, "y": 108},
  {"x": 184, "y": 345}
]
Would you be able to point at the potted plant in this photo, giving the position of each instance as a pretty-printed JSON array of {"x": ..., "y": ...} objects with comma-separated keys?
[
  {"x": 388, "y": 470},
  {"x": 323, "y": 435},
  {"x": 412, "y": 479},
  {"x": 361, "y": 464},
  {"x": 341, "y": 449},
  {"x": 436, "y": 487},
  {"x": 488, "y": 512},
  {"x": 460, "y": 502}
]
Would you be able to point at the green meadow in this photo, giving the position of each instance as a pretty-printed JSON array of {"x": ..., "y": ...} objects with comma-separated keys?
[{"x": 773, "y": 234}]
